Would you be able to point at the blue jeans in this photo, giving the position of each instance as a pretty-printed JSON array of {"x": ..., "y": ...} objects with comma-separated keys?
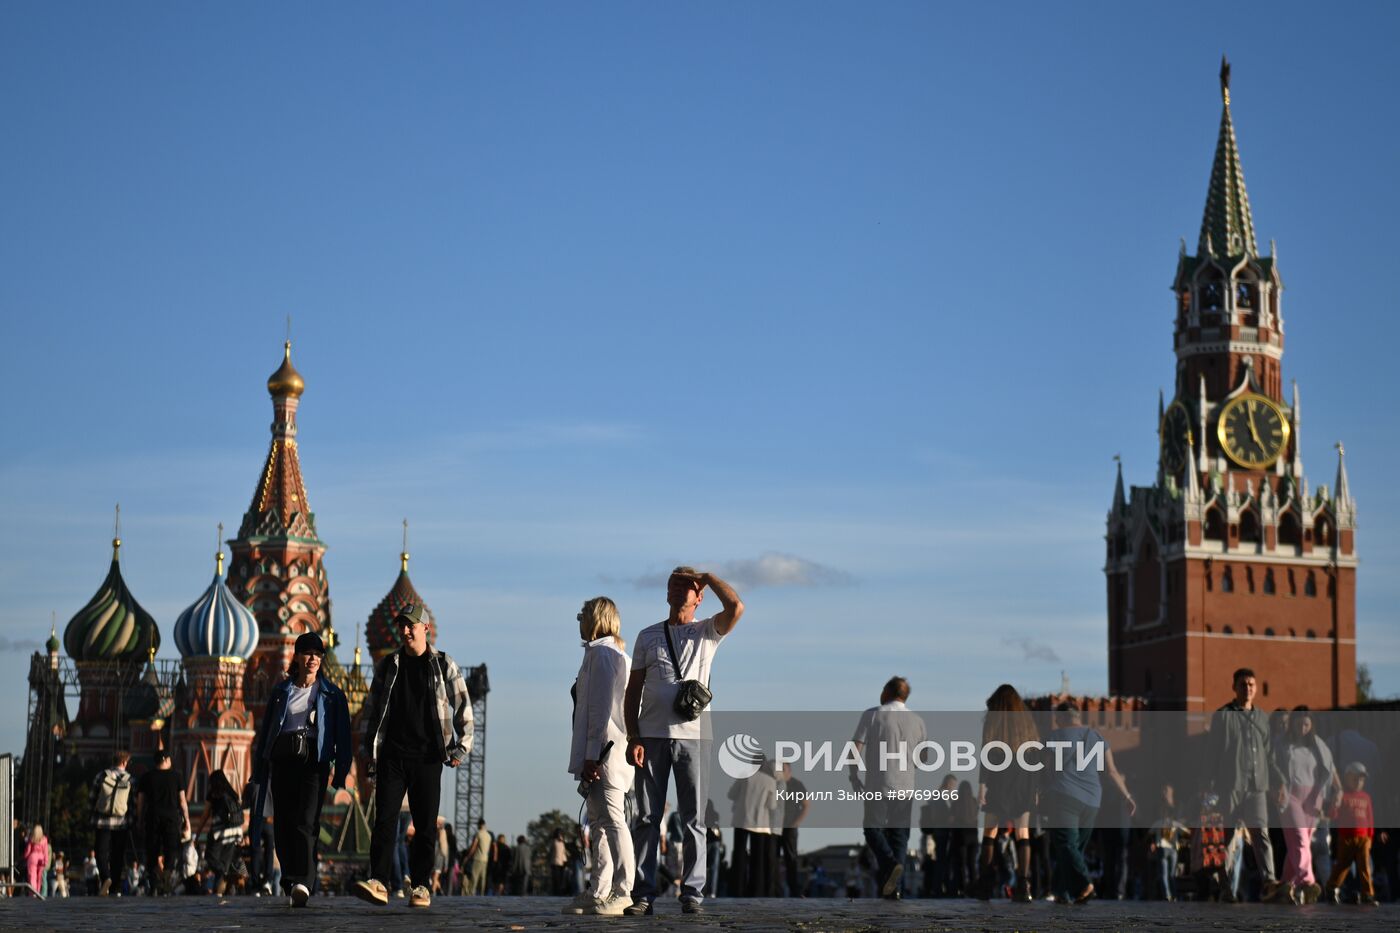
[
  {"x": 887, "y": 834},
  {"x": 1166, "y": 867},
  {"x": 1072, "y": 822},
  {"x": 689, "y": 759}
]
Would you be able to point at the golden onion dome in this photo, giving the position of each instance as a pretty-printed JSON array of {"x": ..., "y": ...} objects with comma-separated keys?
[{"x": 286, "y": 381}]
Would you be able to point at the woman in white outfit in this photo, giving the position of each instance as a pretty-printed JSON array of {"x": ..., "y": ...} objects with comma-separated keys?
[{"x": 598, "y": 757}]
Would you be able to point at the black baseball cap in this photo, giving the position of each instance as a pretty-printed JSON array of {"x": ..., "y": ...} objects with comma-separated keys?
[{"x": 310, "y": 643}]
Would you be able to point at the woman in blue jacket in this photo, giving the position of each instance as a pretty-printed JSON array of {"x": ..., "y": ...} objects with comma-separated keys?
[{"x": 305, "y": 730}]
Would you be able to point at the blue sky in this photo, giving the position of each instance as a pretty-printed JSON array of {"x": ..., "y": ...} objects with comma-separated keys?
[{"x": 856, "y": 302}]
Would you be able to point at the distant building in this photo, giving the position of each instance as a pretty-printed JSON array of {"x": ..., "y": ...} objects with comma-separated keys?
[
  {"x": 1230, "y": 559},
  {"x": 235, "y": 643}
]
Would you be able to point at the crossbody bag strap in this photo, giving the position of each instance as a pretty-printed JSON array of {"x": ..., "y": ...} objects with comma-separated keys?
[{"x": 671, "y": 649}]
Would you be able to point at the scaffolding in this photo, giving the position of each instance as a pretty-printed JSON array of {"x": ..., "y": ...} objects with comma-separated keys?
[{"x": 470, "y": 797}]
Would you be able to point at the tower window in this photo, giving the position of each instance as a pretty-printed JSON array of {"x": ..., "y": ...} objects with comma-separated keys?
[
  {"x": 1244, "y": 295},
  {"x": 1290, "y": 532},
  {"x": 1227, "y": 581},
  {"x": 1310, "y": 585},
  {"x": 1249, "y": 527},
  {"x": 1215, "y": 525},
  {"x": 1269, "y": 582}
]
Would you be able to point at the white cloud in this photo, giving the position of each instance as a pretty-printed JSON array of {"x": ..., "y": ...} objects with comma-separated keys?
[{"x": 767, "y": 570}]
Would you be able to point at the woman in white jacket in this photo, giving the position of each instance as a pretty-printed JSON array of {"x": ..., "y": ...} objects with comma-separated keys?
[{"x": 598, "y": 757}]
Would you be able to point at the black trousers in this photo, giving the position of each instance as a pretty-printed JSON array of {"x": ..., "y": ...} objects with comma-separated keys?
[
  {"x": 111, "y": 853},
  {"x": 162, "y": 839},
  {"x": 422, "y": 781},
  {"x": 298, "y": 791},
  {"x": 787, "y": 850},
  {"x": 755, "y": 863}
]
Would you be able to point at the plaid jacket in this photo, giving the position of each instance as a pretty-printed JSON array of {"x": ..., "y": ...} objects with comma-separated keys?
[{"x": 454, "y": 705}]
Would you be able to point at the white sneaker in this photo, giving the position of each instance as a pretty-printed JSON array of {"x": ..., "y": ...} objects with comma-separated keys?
[
  {"x": 611, "y": 907},
  {"x": 300, "y": 895},
  {"x": 580, "y": 904}
]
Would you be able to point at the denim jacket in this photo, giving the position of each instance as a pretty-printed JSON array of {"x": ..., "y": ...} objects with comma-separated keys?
[{"x": 332, "y": 730}]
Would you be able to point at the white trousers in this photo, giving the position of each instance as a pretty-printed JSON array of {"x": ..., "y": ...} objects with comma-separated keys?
[{"x": 614, "y": 865}]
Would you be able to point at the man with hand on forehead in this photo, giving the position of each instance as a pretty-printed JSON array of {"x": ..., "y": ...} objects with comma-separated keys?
[
  {"x": 662, "y": 741},
  {"x": 420, "y": 718}
]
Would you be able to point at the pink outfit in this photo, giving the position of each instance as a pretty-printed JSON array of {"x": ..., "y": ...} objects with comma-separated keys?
[
  {"x": 1299, "y": 826},
  {"x": 36, "y": 859}
]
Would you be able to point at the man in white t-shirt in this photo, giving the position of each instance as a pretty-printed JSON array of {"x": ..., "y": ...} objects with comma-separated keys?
[
  {"x": 660, "y": 742},
  {"x": 888, "y": 736}
]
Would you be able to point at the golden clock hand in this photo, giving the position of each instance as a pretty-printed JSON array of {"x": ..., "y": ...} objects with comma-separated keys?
[{"x": 1253, "y": 431}]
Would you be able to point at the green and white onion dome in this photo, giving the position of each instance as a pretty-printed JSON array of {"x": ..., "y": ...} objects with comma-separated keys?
[{"x": 112, "y": 626}]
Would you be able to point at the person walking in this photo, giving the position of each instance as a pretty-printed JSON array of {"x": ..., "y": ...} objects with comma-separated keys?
[
  {"x": 1009, "y": 795},
  {"x": 558, "y": 864},
  {"x": 478, "y": 857},
  {"x": 754, "y": 860},
  {"x": 522, "y": 858},
  {"x": 223, "y": 816},
  {"x": 111, "y": 819},
  {"x": 795, "y": 805},
  {"x": 1247, "y": 777},
  {"x": 1073, "y": 794},
  {"x": 598, "y": 757},
  {"x": 36, "y": 859},
  {"x": 1311, "y": 783},
  {"x": 305, "y": 732},
  {"x": 420, "y": 718},
  {"x": 164, "y": 814},
  {"x": 92, "y": 876},
  {"x": 1356, "y": 826},
  {"x": 886, "y": 738},
  {"x": 667, "y": 731}
]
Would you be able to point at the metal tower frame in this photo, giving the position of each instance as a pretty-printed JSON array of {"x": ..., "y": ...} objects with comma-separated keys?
[{"x": 470, "y": 796}]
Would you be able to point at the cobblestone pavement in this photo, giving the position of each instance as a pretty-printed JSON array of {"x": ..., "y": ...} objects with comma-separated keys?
[{"x": 807, "y": 916}]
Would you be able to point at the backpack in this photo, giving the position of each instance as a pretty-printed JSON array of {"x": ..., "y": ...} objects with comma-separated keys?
[
  {"x": 228, "y": 811},
  {"x": 113, "y": 793}
]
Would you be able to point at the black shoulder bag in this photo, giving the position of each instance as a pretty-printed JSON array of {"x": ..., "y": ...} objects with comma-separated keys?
[{"x": 693, "y": 696}]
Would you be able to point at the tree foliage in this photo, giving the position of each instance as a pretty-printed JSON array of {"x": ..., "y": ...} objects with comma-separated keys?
[
  {"x": 540, "y": 832},
  {"x": 1365, "y": 690}
]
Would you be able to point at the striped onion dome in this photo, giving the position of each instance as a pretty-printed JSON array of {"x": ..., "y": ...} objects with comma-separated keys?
[
  {"x": 381, "y": 635},
  {"x": 217, "y": 625},
  {"x": 112, "y": 626}
]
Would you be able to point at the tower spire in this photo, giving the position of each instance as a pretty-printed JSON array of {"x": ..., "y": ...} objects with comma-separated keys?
[
  {"x": 1227, "y": 228},
  {"x": 1119, "y": 500},
  {"x": 403, "y": 556},
  {"x": 1342, "y": 494},
  {"x": 117, "y": 533}
]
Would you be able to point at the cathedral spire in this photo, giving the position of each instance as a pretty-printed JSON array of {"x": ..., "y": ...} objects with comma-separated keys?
[
  {"x": 279, "y": 507},
  {"x": 1227, "y": 229},
  {"x": 1342, "y": 494}
]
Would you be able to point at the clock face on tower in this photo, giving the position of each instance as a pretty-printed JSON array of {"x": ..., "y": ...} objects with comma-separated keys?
[
  {"x": 1175, "y": 430},
  {"x": 1252, "y": 431}
]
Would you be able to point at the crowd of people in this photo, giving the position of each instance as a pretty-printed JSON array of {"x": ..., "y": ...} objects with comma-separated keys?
[{"x": 1022, "y": 833}]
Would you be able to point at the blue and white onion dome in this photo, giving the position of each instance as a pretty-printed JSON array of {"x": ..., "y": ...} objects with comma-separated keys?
[{"x": 217, "y": 625}]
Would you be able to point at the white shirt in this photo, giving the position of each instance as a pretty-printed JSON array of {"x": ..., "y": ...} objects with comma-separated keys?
[
  {"x": 889, "y": 723},
  {"x": 300, "y": 702},
  {"x": 696, "y": 644},
  {"x": 755, "y": 800},
  {"x": 602, "y": 683}
]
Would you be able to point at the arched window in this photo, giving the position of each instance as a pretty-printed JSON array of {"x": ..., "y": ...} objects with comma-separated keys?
[
  {"x": 1228, "y": 630},
  {"x": 1292, "y": 583},
  {"x": 1290, "y": 531},
  {"x": 1249, "y": 527},
  {"x": 1312, "y": 634},
  {"x": 1269, "y": 582},
  {"x": 1310, "y": 585},
  {"x": 1249, "y": 578},
  {"x": 1323, "y": 532},
  {"x": 1268, "y": 633},
  {"x": 1215, "y": 525},
  {"x": 1227, "y": 581}
]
